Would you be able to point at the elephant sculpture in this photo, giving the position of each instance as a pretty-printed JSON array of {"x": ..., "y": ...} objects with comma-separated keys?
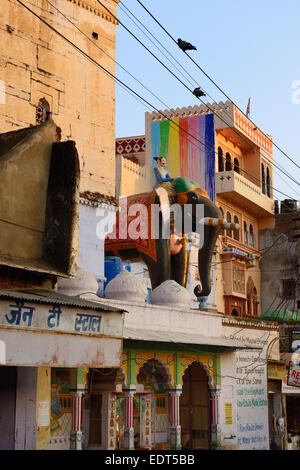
[{"x": 167, "y": 257}]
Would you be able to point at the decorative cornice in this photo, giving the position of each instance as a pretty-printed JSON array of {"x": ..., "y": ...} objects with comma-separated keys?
[
  {"x": 251, "y": 323},
  {"x": 220, "y": 108},
  {"x": 88, "y": 198},
  {"x": 96, "y": 12}
]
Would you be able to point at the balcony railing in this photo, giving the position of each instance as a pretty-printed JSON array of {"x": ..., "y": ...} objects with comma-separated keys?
[
  {"x": 234, "y": 186},
  {"x": 131, "y": 177}
]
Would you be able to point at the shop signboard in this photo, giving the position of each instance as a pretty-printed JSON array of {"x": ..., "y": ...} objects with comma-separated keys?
[
  {"x": 33, "y": 334},
  {"x": 276, "y": 371},
  {"x": 251, "y": 388},
  {"x": 293, "y": 378},
  {"x": 295, "y": 341}
]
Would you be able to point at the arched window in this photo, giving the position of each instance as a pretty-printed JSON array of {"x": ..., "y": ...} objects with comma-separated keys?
[
  {"x": 252, "y": 302},
  {"x": 228, "y": 218},
  {"x": 220, "y": 159},
  {"x": 234, "y": 313},
  {"x": 236, "y": 233},
  {"x": 268, "y": 183},
  {"x": 245, "y": 233},
  {"x": 42, "y": 113},
  {"x": 251, "y": 236},
  {"x": 228, "y": 165},
  {"x": 236, "y": 165},
  {"x": 263, "y": 179}
]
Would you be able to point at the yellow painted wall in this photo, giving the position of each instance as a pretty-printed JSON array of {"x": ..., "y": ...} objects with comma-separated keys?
[
  {"x": 36, "y": 63},
  {"x": 43, "y": 395}
]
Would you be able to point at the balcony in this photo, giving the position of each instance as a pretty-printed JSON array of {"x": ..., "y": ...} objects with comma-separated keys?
[
  {"x": 238, "y": 189},
  {"x": 131, "y": 177}
]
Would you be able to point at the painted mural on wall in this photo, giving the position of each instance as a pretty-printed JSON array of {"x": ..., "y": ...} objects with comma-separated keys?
[
  {"x": 61, "y": 402},
  {"x": 188, "y": 145}
]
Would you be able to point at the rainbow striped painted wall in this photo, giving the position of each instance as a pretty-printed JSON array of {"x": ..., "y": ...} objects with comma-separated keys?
[{"x": 188, "y": 144}]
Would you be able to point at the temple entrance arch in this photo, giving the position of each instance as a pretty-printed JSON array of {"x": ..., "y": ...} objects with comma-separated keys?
[
  {"x": 143, "y": 409},
  {"x": 153, "y": 383},
  {"x": 195, "y": 409}
]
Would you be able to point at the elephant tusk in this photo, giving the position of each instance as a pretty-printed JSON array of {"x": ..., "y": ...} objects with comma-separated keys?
[{"x": 214, "y": 222}]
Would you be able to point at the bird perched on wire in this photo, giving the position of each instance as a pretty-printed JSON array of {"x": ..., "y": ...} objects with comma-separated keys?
[
  {"x": 198, "y": 92},
  {"x": 185, "y": 46}
]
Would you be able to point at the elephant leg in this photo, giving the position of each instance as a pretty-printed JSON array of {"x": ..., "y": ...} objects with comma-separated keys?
[
  {"x": 159, "y": 270},
  {"x": 179, "y": 266}
]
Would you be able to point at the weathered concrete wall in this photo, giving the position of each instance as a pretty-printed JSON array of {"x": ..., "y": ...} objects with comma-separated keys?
[
  {"x": 23, "y": 193},
  {"x": 39, "y": 200},
  {"x": 278, "y": 262},
  {"x": 36, "y": 63}
]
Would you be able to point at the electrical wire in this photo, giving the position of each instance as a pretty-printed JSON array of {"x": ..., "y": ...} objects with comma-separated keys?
[
  {"x": 224, "y": 112},
  {"x": 104, "y": 52},
  {"x": 122, "y": 6},
  {"x": 212, "y": 110},
  {"x": 217, "y": 86},
  {"x": 120, "y": 82},
  {"x": 70, "y": 42}
]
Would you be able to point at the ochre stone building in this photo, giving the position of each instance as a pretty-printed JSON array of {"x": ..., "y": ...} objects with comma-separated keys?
[{"x": 42, "y": 76}]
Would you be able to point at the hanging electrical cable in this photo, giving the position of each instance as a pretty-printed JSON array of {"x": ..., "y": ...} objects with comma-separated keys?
[
  {"x": 120, "y": 82},
  {"x": 217, "y": 86},
  {"x": 192, "y": 91}
]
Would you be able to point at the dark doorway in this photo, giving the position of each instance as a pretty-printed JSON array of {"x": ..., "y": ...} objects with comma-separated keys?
[
  {"x": 95, "y": 419},
  {"x": 195, "y": 413},
  {"x": 8, "y": 381}
]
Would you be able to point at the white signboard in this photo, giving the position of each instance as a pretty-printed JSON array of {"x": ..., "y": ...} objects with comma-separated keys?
[
  {"x": 26, "y": 315},
  {"x": 249, "y": 378},
  {"x": 59, "y": 336},
  {"x": 43, "y": 413},
  {"x": 252, "y": 401},
  {"x": 2, "y": 352},
  {"x": 294, "y": 375}
]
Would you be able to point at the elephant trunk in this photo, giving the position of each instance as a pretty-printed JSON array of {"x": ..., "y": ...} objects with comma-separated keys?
[
  {"x": 205, "y": 254},
  {"x": 205, "y": 258}
]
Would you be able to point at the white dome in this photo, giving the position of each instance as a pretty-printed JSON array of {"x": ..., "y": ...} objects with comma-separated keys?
[
  {"x": 126, "y": 286},
  {"x": 171, "y": 294},
  {"x": 83, "y": 283}
]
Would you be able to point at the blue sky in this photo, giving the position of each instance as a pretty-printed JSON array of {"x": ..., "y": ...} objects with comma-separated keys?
[{"x": 250, "y": 49}]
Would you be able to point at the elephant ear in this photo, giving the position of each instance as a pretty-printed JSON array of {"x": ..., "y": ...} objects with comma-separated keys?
[
  {"x": 167, "y": 196},
  {"x": 164, "y": 204}
]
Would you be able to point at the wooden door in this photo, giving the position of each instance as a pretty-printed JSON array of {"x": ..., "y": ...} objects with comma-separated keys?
[
  {"x": 95, "y": 420},
  {"x": 195, "y": 409}
]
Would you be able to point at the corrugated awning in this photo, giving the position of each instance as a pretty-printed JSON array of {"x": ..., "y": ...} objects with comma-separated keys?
[
  {"x": 185, "y": 338},
  {"x": 55, "y": 298},
  {"x": 281, "y": 316}
]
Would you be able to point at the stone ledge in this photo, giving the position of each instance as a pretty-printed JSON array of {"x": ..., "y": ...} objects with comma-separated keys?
[{"x": 97, "y": 12}]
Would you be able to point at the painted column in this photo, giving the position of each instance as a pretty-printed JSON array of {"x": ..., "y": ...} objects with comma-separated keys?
[
  {"x": 78, "y": 388},
  {"x": 175, "y": 428},
  {"x": 215, "y": 400},
  {"x": 145, "y": 421},
  {"x": 128, "y": 429},
  {"x": 108, "y": 425},
  {"x": 76, "y": 433}
]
